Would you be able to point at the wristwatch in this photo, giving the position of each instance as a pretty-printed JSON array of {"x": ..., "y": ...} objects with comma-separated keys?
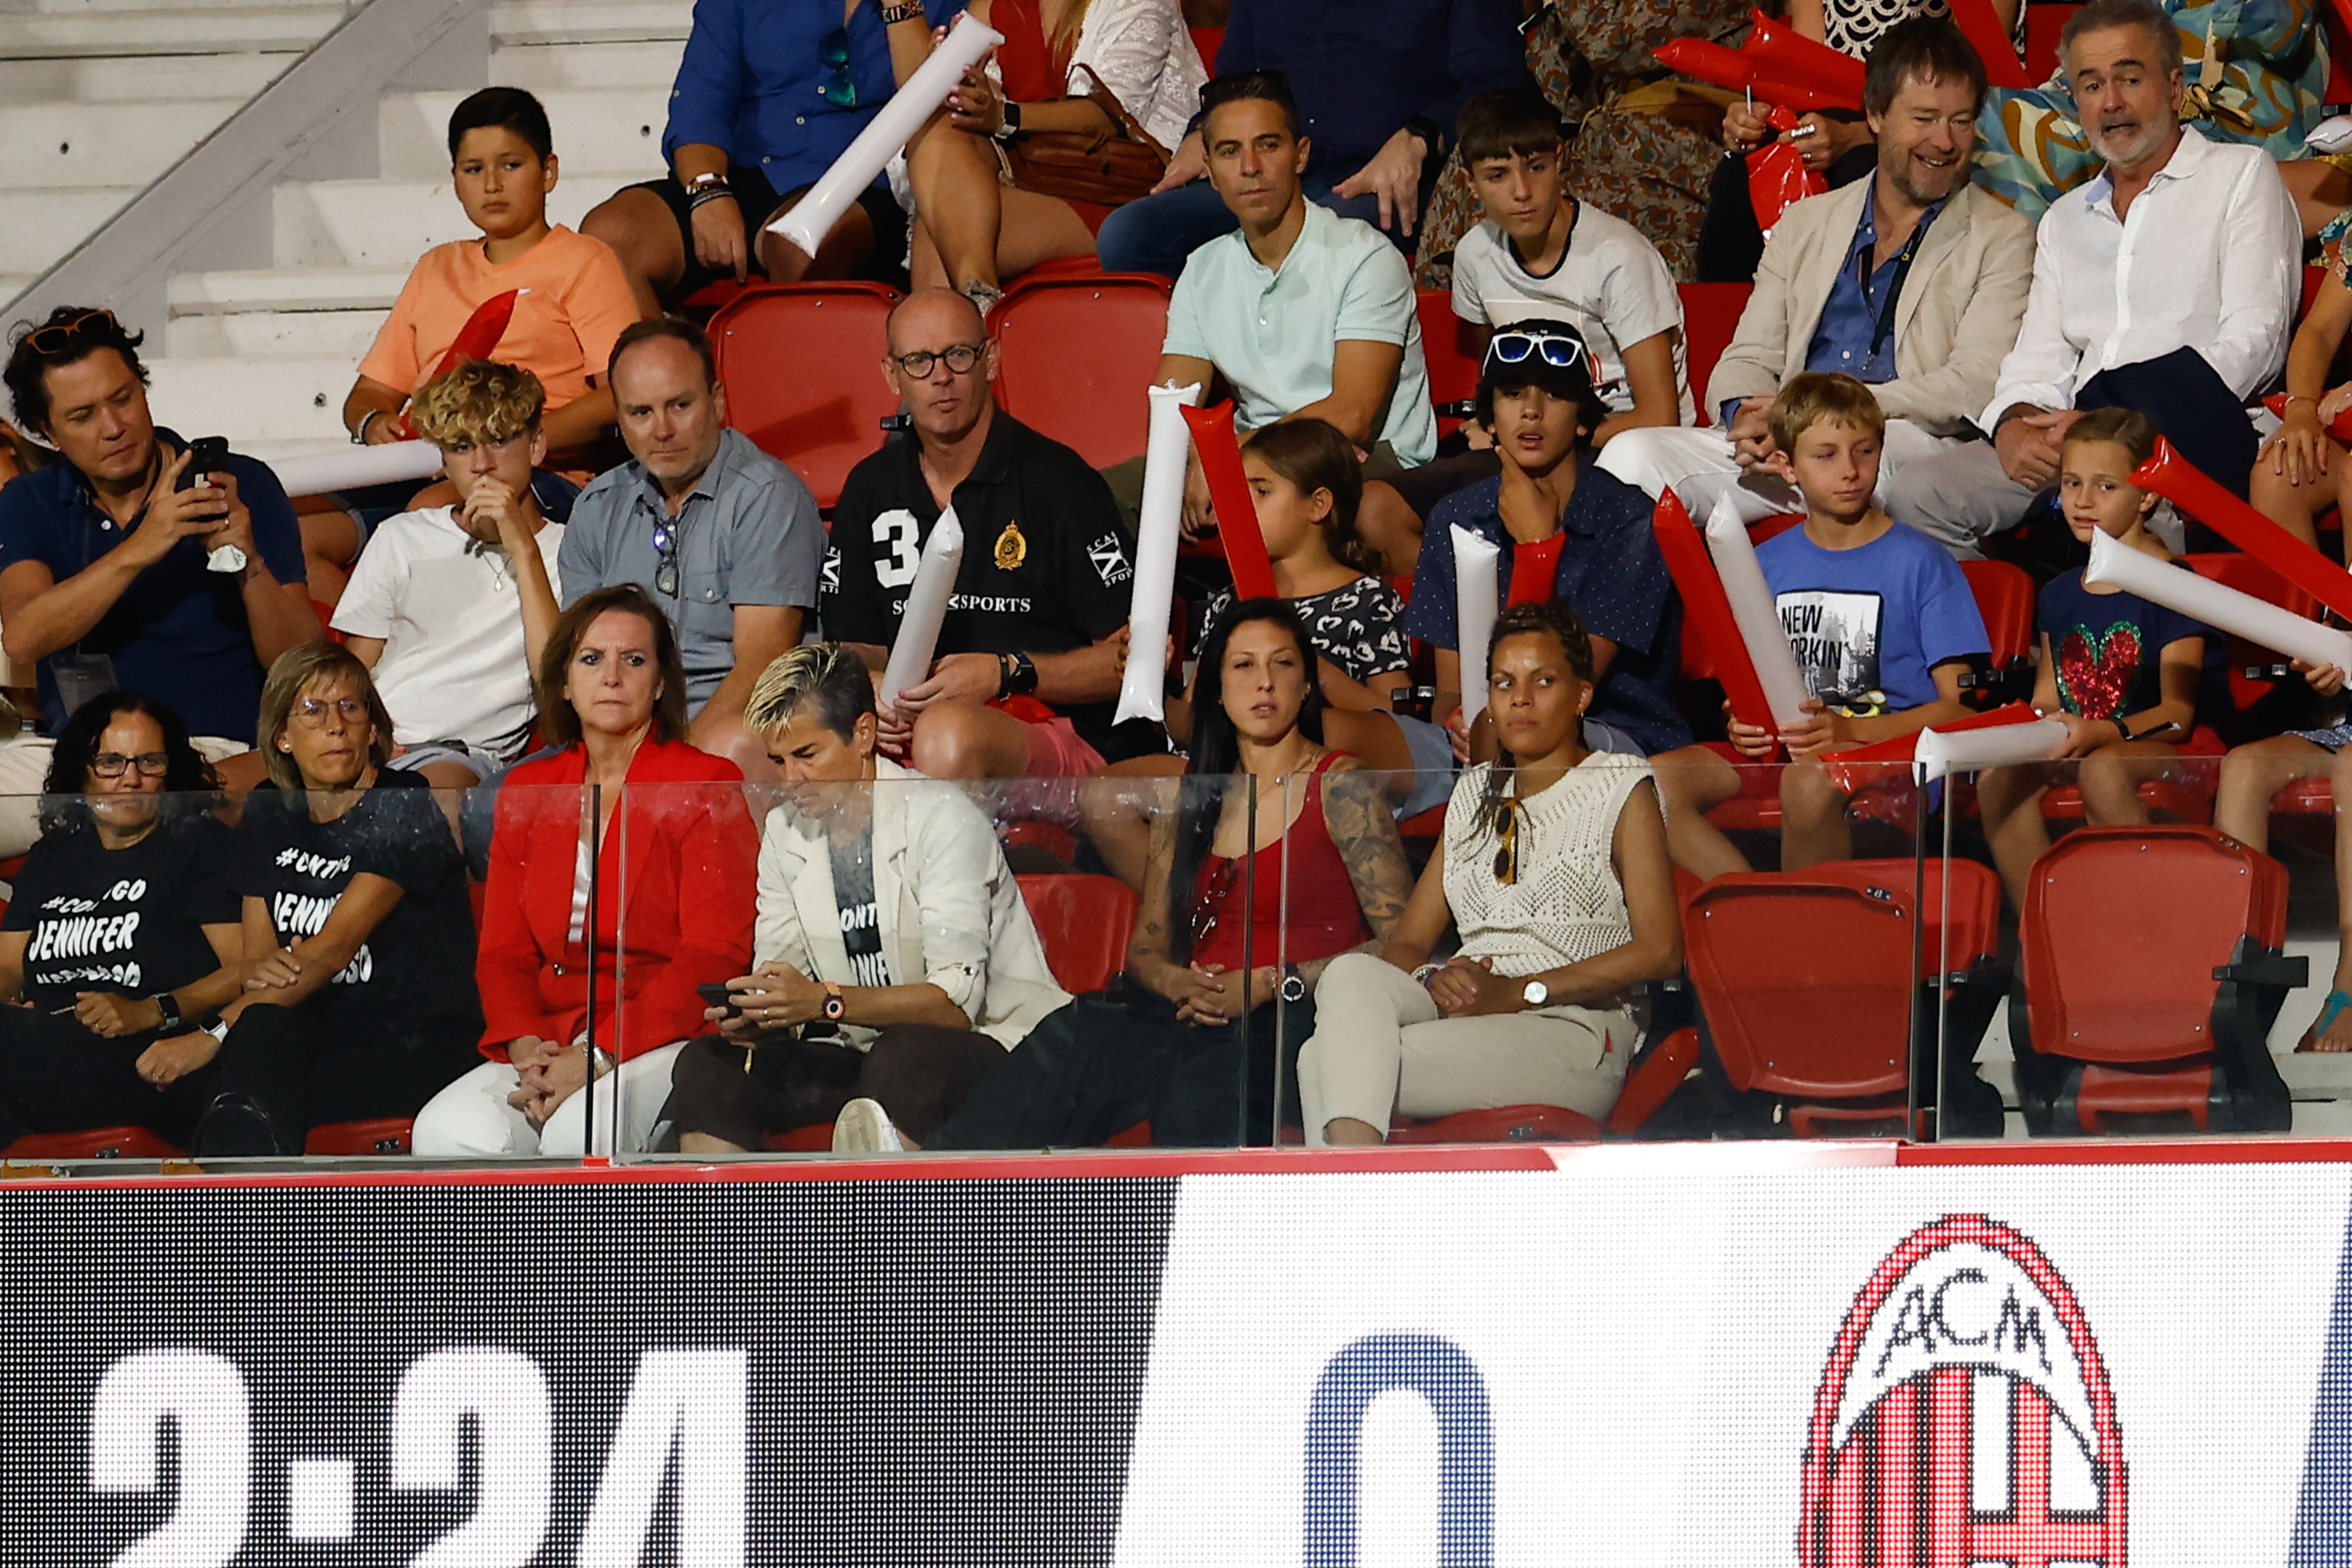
[
  {"x": 1012, "y": 125},
  {"x": 1536, "y": 993},
  {"x": 168, "y": 1006},
  {"x": 833, "y": 1004},
  {"x": 358, "y": 431},
  {"x": 1294, "y": 985},
  {"x": 1020, "y": 675}
]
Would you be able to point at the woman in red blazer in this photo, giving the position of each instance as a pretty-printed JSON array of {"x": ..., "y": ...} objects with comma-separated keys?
[{"x": 671, "y": 890}]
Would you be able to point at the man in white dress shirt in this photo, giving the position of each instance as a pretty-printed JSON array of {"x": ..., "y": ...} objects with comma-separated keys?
[{"x": 2168, "y": 284}]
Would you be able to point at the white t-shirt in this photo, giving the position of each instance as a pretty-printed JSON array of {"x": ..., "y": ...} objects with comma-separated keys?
[
  {"x": 447, "y": 607},
  {"x": 1612, "y": 285}
]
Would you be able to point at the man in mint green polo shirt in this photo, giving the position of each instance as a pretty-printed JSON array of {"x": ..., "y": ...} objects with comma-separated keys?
[{"x": 1298, "y": 314}]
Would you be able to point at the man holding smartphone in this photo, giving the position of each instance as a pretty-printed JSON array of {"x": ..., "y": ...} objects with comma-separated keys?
[{"x": 104, "y": 556}]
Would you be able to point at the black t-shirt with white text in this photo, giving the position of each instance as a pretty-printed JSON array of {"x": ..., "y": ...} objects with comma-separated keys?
[
  {"x": 130, "y": 921},
  {"x": 1047, "y": 567},
  {"x": 853, "y": 896},
  {"x": 415, "y": 970}
]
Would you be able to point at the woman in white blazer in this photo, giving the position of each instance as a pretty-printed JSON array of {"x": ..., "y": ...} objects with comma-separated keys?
[{"x": 894, "y": 959}]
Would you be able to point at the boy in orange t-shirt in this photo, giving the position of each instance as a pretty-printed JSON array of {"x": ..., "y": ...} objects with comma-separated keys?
[{"x": 573, "y": 300}]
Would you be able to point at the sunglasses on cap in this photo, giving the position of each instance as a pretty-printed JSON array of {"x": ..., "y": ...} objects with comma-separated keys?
[{"x": 1557, "y": 349}]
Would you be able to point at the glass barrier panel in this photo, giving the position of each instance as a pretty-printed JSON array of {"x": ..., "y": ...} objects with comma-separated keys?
[
  {"x": 254, "y": 976},
  {"x": 1739, "y": 957},
  {"x": 1019, "y": 965},
  {"x": 2167, "y": 943}
]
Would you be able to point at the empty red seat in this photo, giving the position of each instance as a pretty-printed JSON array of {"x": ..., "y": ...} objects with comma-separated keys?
[
  {"x": 1075, "y": 356},
  {"x": 1085, "y": 921},
  {"x": 1710, "y": 318},
  {"x": 2153, "y": 972},
  {"x": 1451, "y": 347},
  {"x": 802, "y": 364}
]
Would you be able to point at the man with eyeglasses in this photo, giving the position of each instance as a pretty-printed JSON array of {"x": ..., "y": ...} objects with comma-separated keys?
[
  {"x": 1913, "y": 281},
  {"x": 726, "y": 538},
  {"x": 450, "y": 605},
  {"x": 1027, "y": 666},
  {"x": 121, "y": 567}
]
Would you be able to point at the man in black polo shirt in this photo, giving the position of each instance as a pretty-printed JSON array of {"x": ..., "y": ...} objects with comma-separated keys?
[
  {"x": 112, "y": 575},
  {"x": 1029, "y": 657}
]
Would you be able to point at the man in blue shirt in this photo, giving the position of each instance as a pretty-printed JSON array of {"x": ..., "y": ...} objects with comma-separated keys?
[
  {"x": 1912, "y": 281},
  {"x": 112, "y": 576},
  {"x": 1379, "y": 83},
  {"x": 768, "y": 95}
]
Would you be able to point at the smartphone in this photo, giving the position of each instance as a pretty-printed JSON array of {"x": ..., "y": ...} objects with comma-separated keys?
[
  {"x": 206, "y": 455},
  {"x": 717, "y": 995}
]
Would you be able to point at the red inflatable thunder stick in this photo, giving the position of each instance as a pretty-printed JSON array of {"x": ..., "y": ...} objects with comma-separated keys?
[
  {"x": 1779, "y": 65},
  {"x": 2340, "y": 426},
  {"x": 1693, "y": 570},
  {"x": 1229, "y": 491},
  {"x": 1850, "y": 771},
  {"x": 1535, "y": 568},
  {"x": 2171, "y": 474},
  {"x": 477, "y": 338}
]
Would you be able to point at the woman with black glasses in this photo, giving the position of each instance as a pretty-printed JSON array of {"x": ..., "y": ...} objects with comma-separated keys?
[
  {"x": 1226, "y": 930},
  {"x": 359, "y": 997},
  {"x": 1554, "y": 873},
  {"x": 122, "y": 933}
]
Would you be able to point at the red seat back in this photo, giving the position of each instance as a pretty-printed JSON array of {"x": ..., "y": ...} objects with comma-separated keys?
[
  {"x": 2004, "y": 596},
  {"x": 1074, "y": 356},
  {"x": 802, "y": 364},
  {"x": 2122, "y": 930},
  {"x": 2249, "y": 575},
  {"x": 2044, "y": 23},
  {"x": 96, "y": 1143},
  {"x": 1208, "y": 40},
  {"x": 1710, "y": 317},
  {"x": 386, "y": 1135},
  {"x": 1083, "y": 921},
  {"x": 1451, "y": 346},
  {"x": 1805, "y": 978}
]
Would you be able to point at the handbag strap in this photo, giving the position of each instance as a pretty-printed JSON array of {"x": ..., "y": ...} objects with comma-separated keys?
[{"x": 1129, "y": 127}]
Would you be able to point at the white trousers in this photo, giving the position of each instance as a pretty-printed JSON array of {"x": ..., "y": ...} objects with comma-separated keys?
[
  {"x": 25, "y": 768},
  {"x": 1381, "y": 1047},
  {"x": 1697, "y": 465},
  {"x": 471, "y": 1119}
]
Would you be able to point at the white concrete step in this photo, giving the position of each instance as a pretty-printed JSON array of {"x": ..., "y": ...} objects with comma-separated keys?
[
  {"x": 36, "y": 228},
  {"x": 545, "y": 68},
  {"x": 176, "y": 30},
  {"x": 273, "y": 334},
  {"x": 390, "y": 223},
  {"x": 83, "y": 146},
  {"x": 613, "y": 132},
  {"x": 589, "y": 21},
  {"x": 251, "y": 401},
  {"x": 140, "y": 80},
  {"x": 287, "y": 288}
]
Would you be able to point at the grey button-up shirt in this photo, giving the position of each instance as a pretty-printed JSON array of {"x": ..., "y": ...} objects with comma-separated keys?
[{"x": 748, "y": 535}]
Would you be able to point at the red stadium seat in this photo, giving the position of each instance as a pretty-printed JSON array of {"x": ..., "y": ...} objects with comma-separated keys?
[
  {"x": 1809, "y": 991},
  {"x": 2260, "y": 704},
  {"x": 1710, "y": 318},
  {"x": 96, "y": 1143},
  {"x": 2004, "y": 596},
  {"x": 1450, "y": 344},
  {"x": 1656, "y": 1073},
  {"x": 1075, "y": 356},
  {"x": 2044, "y": 23},
  {"x": 388, "y": 1135},
  {"x": 1083, "y": 921},
  {"x": 326, "y": 614},
  {"x": 803, "y": 367},
  {"x": 2153, "y": 972},
  {"x": 1208, "y": 40}
]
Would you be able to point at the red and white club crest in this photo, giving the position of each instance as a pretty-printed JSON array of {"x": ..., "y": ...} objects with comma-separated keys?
[{"x": 1964, "y": 1417}]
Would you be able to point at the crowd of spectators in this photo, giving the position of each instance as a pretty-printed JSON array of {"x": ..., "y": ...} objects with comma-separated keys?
[{"x": 276, "y": 739}]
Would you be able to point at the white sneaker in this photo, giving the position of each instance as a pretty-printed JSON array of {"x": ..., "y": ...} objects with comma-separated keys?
[{"x": 864, "y": 1127}]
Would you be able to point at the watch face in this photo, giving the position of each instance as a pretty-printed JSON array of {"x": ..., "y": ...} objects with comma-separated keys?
[{"x": 1536, "y": 993}]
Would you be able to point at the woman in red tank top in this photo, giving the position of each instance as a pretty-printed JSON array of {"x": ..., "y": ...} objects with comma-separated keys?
[{"x": 1226, "y": 930}]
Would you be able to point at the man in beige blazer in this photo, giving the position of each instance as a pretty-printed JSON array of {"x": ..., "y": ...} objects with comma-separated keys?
[{"x": 1913, "y": 280}]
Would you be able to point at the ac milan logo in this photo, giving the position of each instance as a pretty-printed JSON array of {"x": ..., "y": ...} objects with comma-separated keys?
[{"x": 1964, "y": 1417}]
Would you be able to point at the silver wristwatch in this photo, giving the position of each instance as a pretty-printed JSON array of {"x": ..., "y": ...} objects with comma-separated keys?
[{"x": 1536, "y": 993}]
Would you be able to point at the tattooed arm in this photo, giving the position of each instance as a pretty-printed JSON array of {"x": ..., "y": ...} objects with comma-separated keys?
[
  {"x": 1356, "y": 811},
  {"x": 1148, "y": 963}
]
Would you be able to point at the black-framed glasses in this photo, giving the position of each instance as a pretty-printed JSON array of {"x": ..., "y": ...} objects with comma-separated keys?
[
  {"x": 832, "y": 52},
  {"x": 114, "y": 764},
  {"x": 1506, "y": 832},
  {"x": 960, "y": 359},
  {"x": 51, "y": 339},
  {"x": 1555, "y": 348},
  {"x": 312, "y": 712},
  {"x": 1210, "y": 905},
  {"x": 665, "y": 561}
]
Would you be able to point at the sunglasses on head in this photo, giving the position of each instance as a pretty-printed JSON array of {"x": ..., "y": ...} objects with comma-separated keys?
[
  {"x": 832, "y": 52},
  {"x": 52, "y": 339},
  {"x": 1556, "y": 351}
]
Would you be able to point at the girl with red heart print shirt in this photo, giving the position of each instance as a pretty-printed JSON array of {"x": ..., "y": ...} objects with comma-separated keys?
[{"x": 2121, "y": 673}]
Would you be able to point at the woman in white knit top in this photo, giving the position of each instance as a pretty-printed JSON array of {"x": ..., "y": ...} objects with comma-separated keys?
[{"x": 1554, "y": 871}]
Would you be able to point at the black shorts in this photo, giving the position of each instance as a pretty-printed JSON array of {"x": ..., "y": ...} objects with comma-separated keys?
[{"x": 760, "y": 203}]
